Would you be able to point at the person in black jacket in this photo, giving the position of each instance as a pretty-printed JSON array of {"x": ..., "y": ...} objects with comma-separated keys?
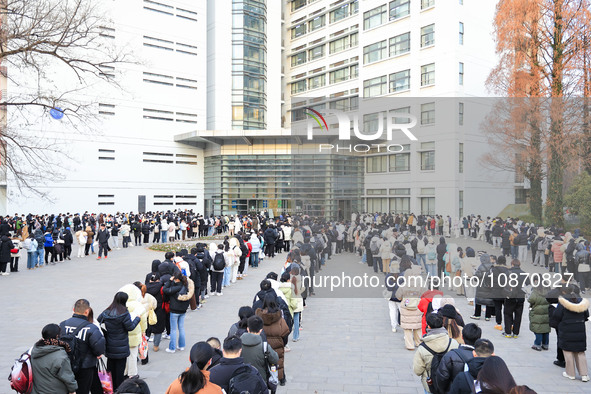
[
  {"x": 483, "y": 348},
  {"x": 270, "y": 236},
  {"x": 91, "y": 343},
  {"x": 516, "y": 299},
  {"x": 146, "y": 231},
  {"x": 179, "y": 290},
  {"x": 499, "y": 271},
  {"x": 452, "y": 363},
  {"x": 136, "y": 227},
  {"x": 217, "y": 352},
  {"x": 154, "y": 287},
  {"x": 155, "y": 264},
  {"x": 203, "y": 264},
  {"x": 68, "y": 241},
  {"x": 441, "y": 250},
  {"x": 118, "y": 323},
  {"x": 102, "y": 236},
  {"x": 5, "y": 247},
  {"x": 571, "y": 314},
  {"x": 223, "y": 372}
]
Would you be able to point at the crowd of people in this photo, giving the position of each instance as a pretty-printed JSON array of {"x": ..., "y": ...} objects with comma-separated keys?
[{"x": 451, "y": 356}]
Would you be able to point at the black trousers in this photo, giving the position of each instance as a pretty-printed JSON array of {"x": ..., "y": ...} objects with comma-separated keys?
[
  {"x": 513, "y": 312},
  {"x": 216, "y": 281},
  {"x": 487, "y": 314},
  {"x": 88, "y": 381},
  {"x": 48, "y": 250},
  {"x": 147, "y": 238},
  {"x": 14, "y": 264},
  {"x": 242, "y": 264},
  {"x": 117, "y": 368},
  {"x": 138, "y": 239},
  {"x": 270, "y": 250},
  {"x": 559, "y": 352},
  {"x": 498, "y": 307},
  {"x": 67, "y": 251},
  {"x": 156, "y": 237},
  {"x": 86, "y": 250}
]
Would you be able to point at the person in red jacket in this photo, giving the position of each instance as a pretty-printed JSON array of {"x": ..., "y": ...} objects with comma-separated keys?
[{"x": 425, "y": 305}]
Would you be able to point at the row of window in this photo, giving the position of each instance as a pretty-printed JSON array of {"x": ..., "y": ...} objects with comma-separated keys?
[
  {"x": 400, "y": 81},
  {"x": 317, "y": 52},
  {"x": 171, "y": 46},
  {"x": 166, "y": 9},
  {"x": 159, "y": 114},
  {"x": 318, "y": 81},
  {"x": 399, "y": 205},
  {"x": 398, "y": 45},
  {"x": 399, "y": 162},
  {"x": 425, "y": 191},
  {"x": 319, "y": 21},
  {"x": 169, "y": 80}
]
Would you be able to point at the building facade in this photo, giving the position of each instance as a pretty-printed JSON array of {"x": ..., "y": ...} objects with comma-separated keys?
[{"x": 205, "y": 120}]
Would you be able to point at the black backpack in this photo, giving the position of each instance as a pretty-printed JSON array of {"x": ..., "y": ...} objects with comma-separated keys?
[
  {"x": 219, "y": 263},
  {"x": 245, "y": 380},
  {"x": 70, "y": 339},
  {"x": 433, "y": 386},
  {"x": 244, "y": 249}
]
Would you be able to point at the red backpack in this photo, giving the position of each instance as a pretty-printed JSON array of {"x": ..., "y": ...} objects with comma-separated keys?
[{"x": 21, "y": 374}]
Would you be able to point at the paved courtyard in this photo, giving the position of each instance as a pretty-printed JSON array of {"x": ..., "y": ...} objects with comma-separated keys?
[{"x": 346, "y": 343}]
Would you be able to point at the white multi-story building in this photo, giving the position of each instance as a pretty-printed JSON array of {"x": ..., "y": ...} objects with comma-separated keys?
[
  {"x": 429, "y": 58},
  {"x": 219, "y": 84},
  {"x": 130, "y": 161}
]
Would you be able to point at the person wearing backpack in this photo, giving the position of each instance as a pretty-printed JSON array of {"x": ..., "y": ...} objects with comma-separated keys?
[
  {"x": 220, "y": 262},
  {"x": 255, "y": 350},
  {"x": 233, "y": 375},
  {"x": 86, "y": 342},
  {"x": 374, "y": 247},
  {"x": 203, "y": 263},
  {"x": 52, "y": 373},
  {"x": 455, "y": 361},
  {"x": 431, "y": 257},
  {"x": 464, "y": 382},
  {"x": 435, "y": 344},
  {"x": 421, "y": 249},
  {"x": 583, "y": 264},
  {"x": 540, "y": 243}
]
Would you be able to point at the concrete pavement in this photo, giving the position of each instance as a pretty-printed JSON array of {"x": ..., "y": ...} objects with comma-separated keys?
[{"x": 346, "y": 343}]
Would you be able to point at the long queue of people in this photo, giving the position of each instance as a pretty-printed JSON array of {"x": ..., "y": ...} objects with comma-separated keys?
[
  {"x": 49, "y": 239},
  {"x": 250, "y": 359},
  {"x": 450, "y": 356}
]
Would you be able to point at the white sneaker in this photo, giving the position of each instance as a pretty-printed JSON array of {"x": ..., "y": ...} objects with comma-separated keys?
[
  {"x": 169, "y": 351},
  {"x": 585, "y": 378},
  {"x": 220, "y": 294},
  {"x": 206, "y": 296},
  {"x": 165, "y": 336},
  {"x": 180, "y": 349},
  {"x": 151, "y": 339},
  {"x": 393, "y": 330},
  {"x": 5, "y": 273},
  {"x": 568, "y": 377}
]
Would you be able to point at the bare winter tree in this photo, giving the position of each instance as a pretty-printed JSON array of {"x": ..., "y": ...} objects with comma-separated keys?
[
  {"x": 543, "y": 49},
  {"x": 41, "y": 42}
]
